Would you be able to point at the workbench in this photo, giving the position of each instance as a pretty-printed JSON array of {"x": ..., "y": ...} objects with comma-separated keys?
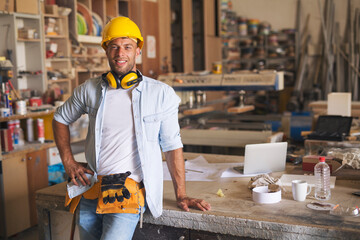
[{"x": 234, "y": 216}]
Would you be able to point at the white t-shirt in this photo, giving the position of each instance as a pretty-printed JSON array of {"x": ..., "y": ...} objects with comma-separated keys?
[{"x": 118, "y": 150}]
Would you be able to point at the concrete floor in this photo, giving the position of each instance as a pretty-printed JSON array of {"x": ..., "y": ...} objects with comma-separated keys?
[{"x": 28, "y": 234}]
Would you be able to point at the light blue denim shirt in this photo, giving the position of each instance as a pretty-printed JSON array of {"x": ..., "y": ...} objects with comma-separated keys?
[{"x": 155, "y": 109}]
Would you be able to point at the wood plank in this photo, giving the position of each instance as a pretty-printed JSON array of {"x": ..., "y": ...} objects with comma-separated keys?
[
  {"x": 323, "y": 104},
  {"x": 226, "y": 138},
  {"x": 28, "y": 115},
  {"x": 245, "y": 108},
  {"x": 150, "y": 28},
  {"x": 112, "y": 8},
  {"x": 187, "y": 36},
  {"x": 100, "y": 8},
  {"x": 164, "y": 39},
  {"x": 198, "y": 110}
]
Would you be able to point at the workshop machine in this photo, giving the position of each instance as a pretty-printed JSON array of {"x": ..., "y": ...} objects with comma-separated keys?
[{"x": 202, "y": 125}]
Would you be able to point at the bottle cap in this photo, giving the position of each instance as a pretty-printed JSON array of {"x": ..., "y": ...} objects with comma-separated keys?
[{"x": 322, "y": 159}]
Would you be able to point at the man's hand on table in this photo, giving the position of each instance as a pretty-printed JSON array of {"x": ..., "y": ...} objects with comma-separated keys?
[{"x": 186, "y": 202}]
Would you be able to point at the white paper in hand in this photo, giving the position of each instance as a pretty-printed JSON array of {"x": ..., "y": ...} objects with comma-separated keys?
[{"x": 74, "y": 191}]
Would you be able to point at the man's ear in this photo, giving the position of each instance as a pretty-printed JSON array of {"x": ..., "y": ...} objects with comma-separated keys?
[{"x": 138, "y": 51}]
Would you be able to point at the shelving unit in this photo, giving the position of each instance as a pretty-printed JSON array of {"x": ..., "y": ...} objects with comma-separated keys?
[
  {"x": 22, "y": 48},
  {"x": 88, "y": 58},
  {"x": 249, "y": 44},
  {"x": 57, "y": 49},
  {"x": 257, "y": 51},
  {"x": 23, "y": 172}
]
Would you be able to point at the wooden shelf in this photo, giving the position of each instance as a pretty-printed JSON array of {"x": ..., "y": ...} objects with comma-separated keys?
[
  {"x": 55, "y": 36},
  {"x": 51, "y": 81},
  {"x": 52, "y": 15},
  {"x": 57, "y": 59},
  {"x": 87, "y": 56},
  {"x": 27, "y": 148},
  {"x": 28, "y": 115},
  {"x": 81, "y": 70},
  {"x": 89, "y": 39},
  {"x": 28, "y": 40}
]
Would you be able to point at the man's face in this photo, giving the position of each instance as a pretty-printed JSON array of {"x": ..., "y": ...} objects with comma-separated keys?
[{"x": 121, "y": 54}]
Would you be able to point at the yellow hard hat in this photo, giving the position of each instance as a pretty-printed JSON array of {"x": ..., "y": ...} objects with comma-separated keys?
[{"x": 121, "y": 27}]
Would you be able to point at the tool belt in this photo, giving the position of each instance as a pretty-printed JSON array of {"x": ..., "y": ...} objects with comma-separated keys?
[{"x": 128, "y": 196}]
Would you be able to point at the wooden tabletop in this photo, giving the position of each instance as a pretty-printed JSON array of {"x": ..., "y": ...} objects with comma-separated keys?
[{"x": 239, "y": 215}]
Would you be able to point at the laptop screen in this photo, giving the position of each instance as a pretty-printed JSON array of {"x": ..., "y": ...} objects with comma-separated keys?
[{"x": 265, "y": 157}]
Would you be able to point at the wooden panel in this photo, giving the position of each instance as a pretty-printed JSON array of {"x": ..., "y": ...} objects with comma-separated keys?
[
  {"x": 124, "y": 8},
  {"x": 209, "y": 17},
  {"x": 37, "y": 172},
  {"x": 198, "y": 110},
  {"x": 150, "y": 27},
  {"x": 100, "y": 8},
  {"x": 225, "y": 138},
  {"x": 187, "y": 35},
  {"x": 212, "y": 42},
  {"x": 164, "y": 35},
  {"x": 212, "y": 51},
  {"x": 243, "y": 109},
  {"x": 16, "y": 196}
]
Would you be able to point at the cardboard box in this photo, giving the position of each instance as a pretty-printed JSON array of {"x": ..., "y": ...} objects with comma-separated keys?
[
  {"x": 26, "y": 33},
  {"x": 52, "y": 9},
  {"x": 27, "y": 6},
  {"x": 310, "y": 161},
  {"x": 53, "y": 156},
  {"x": 7, "y": 5}
]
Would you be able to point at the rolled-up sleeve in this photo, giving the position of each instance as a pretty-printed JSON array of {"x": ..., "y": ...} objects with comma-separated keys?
[
  {"x": 72, "y": 109},
  {"x": 169, "y": 128}
]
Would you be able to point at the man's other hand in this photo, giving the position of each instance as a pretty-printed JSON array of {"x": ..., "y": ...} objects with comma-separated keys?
[{"x": 186, "y": 203}]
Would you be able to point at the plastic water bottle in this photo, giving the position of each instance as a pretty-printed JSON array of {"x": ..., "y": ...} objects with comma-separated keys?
[{"x": 322, "y": 176}]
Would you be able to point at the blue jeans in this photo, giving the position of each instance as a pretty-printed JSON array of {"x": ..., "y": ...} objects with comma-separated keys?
[{"x": 119, "y": 226}]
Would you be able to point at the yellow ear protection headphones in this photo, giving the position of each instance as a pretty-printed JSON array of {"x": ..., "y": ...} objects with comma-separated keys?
[{"x": 125, "y": 81}]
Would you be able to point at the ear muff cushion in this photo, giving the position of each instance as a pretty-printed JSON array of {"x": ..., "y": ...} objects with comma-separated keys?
[
  {"x": 128, "y": 80},
  {"x": 111, "y": 80}
]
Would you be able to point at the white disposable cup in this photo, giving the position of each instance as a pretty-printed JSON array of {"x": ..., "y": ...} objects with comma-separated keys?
[{"x": 300, "y": 189}]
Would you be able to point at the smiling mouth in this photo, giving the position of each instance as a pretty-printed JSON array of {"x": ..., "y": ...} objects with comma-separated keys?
[{"x": 120, "y": 61}]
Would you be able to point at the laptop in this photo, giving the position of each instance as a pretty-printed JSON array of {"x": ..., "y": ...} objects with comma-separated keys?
[
  {"x": 265, "y": 157},
  {"x": 331, "y": 128}
]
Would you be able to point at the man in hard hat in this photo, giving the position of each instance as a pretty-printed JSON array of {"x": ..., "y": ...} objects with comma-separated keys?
[{"x": 132, "y": 118}]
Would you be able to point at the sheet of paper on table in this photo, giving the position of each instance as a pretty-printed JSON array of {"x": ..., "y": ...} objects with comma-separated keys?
[{"x": 199, "y": 169}]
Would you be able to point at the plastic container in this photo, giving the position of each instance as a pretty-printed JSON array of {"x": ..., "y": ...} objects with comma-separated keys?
[
  {"x": 30, "y": 130},
  {"x": 322, "y": 176},
  {"x": 40, "y": 130},
  {"x": 18, "y": 135}
]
